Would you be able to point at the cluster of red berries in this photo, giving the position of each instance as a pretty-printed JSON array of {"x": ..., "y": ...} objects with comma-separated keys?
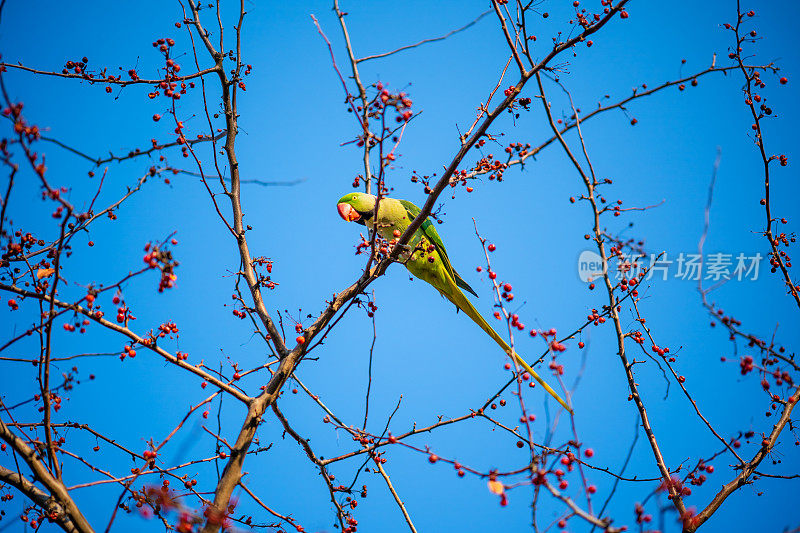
[
  {"x": 167, "y": 328},
  {"x": 352, "y": 524},
  {"x": 659, "y": 350},
  {"x": 507, "y": 295},
  {"x": 128, "y": 351},
  {"x": 376, "y": 110},
  {"x": 150, "y": 455},
  {"x": 400, "y": 101},
  {"x": 55, "y": 402},
  {"x": 26, "y": 242},
  {"x": 38, "y": 519},
  {"x": 624, "y": 284},
  {"x": 567, "y": 460},
  {"x": 728, "y": 320},
  {"x": 123, "y": 313},
  {"x": 491, "y": 166},
  {"x": 512, "y": 89},
  {"x": 78, "y": 326},
  {"x": 595, "y": 317},
  {"x": 433, "y": 459},
  {"x": 515, "y": 323},
  {"x": 77, "y": 67},
  {"x": 552, "y": 342},
  {"x": 519, "y": 148},
  {"x": 641, "y": 517},
  {"x": 586, "y": 20},
  {"x": 156, "y": 497},
  {"x": 698, "y": 480},
  {"x": 265, "y": 280},
  {"x": 186, "y": 521},
  {"x": 162, "y": 259},
  {"x": 364, "y": 244},
  {"x": 676, "y": 485},
  {"x": 32, "y": 133}
]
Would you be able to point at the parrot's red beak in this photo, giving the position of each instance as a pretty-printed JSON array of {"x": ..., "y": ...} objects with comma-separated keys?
[{"x": 347, "y": 212}]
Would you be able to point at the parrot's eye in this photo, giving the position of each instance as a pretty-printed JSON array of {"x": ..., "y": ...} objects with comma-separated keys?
[{"x": 354, "y": 197}]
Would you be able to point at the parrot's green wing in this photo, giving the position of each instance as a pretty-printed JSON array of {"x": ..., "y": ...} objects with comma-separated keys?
[{"x": 432, "y": 236}]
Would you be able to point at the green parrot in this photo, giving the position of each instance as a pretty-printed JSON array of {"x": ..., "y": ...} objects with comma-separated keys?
[{"x": 426, "y": 258}]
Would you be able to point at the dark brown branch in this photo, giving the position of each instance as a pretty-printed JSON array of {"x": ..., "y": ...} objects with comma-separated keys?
[
  {"x": 134, "y": 337},
  {"x": 590, "y": 185},
  {"x": 424, "y": 41},
  {"x": 444, "y": 180},
  {"x": 123, "y": 83},
  {"x": 748, "y": 469},
  {"x": 340, "y": 514},
  {"x": 56, "y": 489},
  {"x": 40, "y": 498}
]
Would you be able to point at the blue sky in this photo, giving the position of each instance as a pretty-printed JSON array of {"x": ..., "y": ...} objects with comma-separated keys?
[{"x": 293, "y": 124}]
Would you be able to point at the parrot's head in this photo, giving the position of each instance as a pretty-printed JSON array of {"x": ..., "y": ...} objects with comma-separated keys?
[{"x": 356, "y": 206}]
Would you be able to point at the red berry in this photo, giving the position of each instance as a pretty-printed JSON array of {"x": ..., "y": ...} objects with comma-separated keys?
[
  {"x": 300, "y": 339},
  {"x": 784, "y": 80},
  {"x": 491, "y": 247}
]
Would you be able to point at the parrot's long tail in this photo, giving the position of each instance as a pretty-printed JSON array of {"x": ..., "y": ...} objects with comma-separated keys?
[{"x": 458, "y": 298}]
